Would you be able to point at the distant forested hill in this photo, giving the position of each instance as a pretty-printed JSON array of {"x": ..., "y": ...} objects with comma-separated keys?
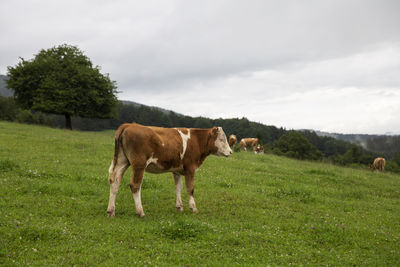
[
  {"x": 386, "y": 144},
  {"x": 359, "y": 139}
]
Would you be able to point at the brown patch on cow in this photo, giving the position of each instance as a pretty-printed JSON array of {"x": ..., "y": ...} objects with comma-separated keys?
[
  {"x": 133, "y": 188},
  {"x": 183, "y": 130}
]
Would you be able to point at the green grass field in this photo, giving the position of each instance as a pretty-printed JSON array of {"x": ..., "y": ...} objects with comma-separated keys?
[{"x": 253, "y": 209}]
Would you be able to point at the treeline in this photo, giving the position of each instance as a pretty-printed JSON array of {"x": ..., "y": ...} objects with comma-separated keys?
[
  {"x": 301, "y": 145},
  {"x": 144, "y": 115}
]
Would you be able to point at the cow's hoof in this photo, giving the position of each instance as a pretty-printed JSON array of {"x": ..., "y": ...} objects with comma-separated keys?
[
  {"x": 179, "y": 209},
  {"x": 194, "y": 210},
  {"x": 141, "y": 215},
  {"x": 111, "y": 213}
]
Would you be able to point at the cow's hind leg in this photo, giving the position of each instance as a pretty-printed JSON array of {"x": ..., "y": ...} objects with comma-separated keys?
[
  {"x": 178, "y": 189},
  {"x": 189, "y": 180},
  {"x": 115, "y": 177},
  {"x": 136, "y": 184}
]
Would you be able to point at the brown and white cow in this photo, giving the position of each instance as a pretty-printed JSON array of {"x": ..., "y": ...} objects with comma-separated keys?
[
  {"x": 232, "y": 140},
  {"x": 378, "y": 164},
  {"x": 248, "y": 142},
  {"x": 258, "y": 149},
  {"x": 156, "y": 150}
]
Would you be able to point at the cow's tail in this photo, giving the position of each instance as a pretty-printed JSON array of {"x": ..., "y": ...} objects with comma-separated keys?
[{"x": 118, "y": 144}]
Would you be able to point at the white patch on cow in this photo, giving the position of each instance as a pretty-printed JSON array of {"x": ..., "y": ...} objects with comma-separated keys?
[
  {"x": 111, "y": 169},
  {"x": 137, "y": 199},
  {"x": 185, "y": 138},
  {"x": 138, "y": 203},
  {"x": 152, "y": 165},
  {"x": 151, "y": 160},
  {"x": 192, "y": 204},
  {"x": 221, "y": 144},
  {"x": 178, "y": 189}
]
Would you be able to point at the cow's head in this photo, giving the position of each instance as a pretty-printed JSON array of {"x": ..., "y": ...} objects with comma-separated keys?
[
  {"x": 232, "y": 140},
  {"x": 372, "y": 167},
  {"x": 220, "y": 146}
]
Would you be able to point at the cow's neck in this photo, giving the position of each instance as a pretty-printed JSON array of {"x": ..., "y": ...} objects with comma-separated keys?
[{"x": 202, "y": 136}]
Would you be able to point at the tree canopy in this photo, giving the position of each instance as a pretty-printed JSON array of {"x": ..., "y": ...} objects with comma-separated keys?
[
  {"x": 294, "y": 144},
  {"x": 62, "y": 80}
]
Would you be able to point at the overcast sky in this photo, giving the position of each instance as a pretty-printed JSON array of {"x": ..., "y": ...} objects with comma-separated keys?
[{"x": 324, "y": 65}]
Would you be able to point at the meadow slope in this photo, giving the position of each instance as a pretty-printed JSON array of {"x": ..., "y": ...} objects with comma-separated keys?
[{"x": 253, "y": 209}]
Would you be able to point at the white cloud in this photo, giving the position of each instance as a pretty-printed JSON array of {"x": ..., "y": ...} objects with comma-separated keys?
[{"x": 354, "y": 94}]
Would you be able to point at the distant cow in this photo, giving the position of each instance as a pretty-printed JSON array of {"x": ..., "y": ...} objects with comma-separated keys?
[
  {"x": 232, "y": 140},
  {"x": 156, "y": 150},
  {"x": 248, "y": 142},
  {"x": 259, "y": 149},
  {"x": 378, "y": 164}
]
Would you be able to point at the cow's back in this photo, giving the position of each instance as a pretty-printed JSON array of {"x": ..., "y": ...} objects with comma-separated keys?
[{"x": 249, "y": 141}]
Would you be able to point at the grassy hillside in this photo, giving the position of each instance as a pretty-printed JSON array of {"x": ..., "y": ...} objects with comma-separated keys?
[{"x": 253, "y": 209}]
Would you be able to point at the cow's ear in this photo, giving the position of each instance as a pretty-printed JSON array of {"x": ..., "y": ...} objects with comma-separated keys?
[{"x": 215, "y": 130}]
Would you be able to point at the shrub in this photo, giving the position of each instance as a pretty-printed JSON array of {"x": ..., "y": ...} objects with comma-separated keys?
[
  {"x": 392, "y": 166},
  {"x": 8, "y": 109},
  {"x": 25, "y": 116}
]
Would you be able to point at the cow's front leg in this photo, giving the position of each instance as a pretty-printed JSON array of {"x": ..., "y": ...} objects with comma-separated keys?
[
  {"x": 189, "y": 180},
  {"x": 178, "y": 190},
  {"x": 136, "y": 184}
]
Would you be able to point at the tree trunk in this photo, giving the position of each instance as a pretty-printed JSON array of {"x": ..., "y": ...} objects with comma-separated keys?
[{"x": 68, "y": 124}]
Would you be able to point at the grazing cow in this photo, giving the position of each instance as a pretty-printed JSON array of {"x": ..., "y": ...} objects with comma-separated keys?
[
  {"x": 378, "y": 164},
  {"x": 232, "y": 140},
  {"x": 259, "y": 149},
  {"x": 248, "y": 142},
  {"x": 156, "y": 150}
]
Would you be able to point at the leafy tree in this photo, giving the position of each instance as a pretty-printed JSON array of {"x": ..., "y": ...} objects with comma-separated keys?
[
  {"x": 62, "y": 80},
  {"x": 356, "y": 154},
  {"x": 353, "y": 155},
  {"x": 143, "y": 115},
  {"x": 259, "y": 136},
  {"x": 127, "y": 113},
  {"x": 176, "y": 119},
  {"x": 394, "y": 164},
  {"x": 159, "y": 118},
  {"x": 295, "y": 145},
  {"x": 202, "y": 122}
]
